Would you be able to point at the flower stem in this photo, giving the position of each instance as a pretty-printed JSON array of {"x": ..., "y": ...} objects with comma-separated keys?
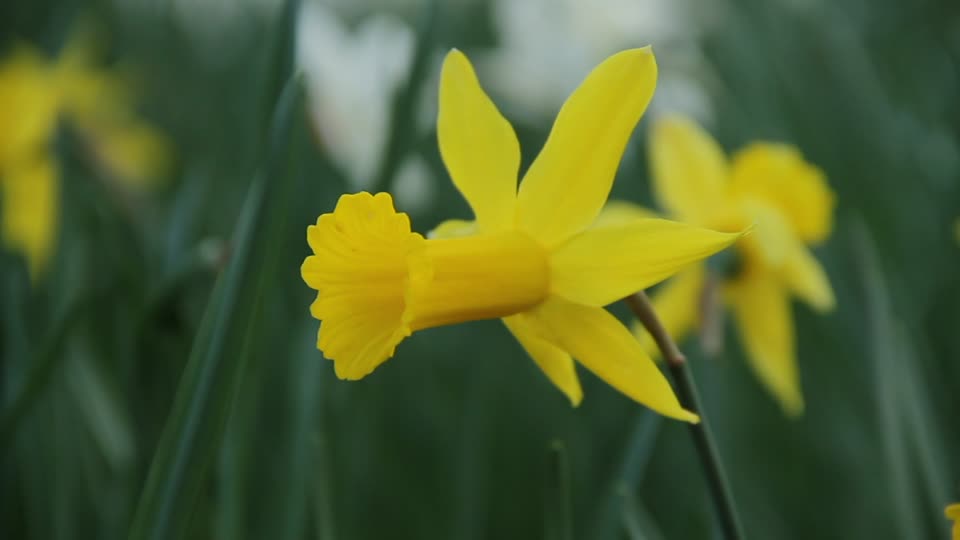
[{"x": 687, "y": 392}]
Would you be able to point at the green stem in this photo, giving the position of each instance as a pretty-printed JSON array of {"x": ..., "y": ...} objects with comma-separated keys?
[
  {"x": 702, "y": 436},
  {"x": 557, "y": 507}
]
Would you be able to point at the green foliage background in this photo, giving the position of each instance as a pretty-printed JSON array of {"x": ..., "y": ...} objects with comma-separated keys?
[{"x": 452, "y": 438}]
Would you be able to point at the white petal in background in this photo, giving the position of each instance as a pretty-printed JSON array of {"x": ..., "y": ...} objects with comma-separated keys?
[
  {"x": 414, "y": 186},
  {"x": 353, "y": 75},
  {"x": 547, "y": 46}
]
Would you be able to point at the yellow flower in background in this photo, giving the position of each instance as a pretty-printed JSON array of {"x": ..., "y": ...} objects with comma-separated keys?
[
  {"x": 35, "y": 93},
  {"x": 531, "y": 259},
  {"x": 790, "y": 203},
  {"x": 953, "y": 512}
]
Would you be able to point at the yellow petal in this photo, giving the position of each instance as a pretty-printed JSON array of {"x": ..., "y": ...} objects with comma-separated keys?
[
  {"x": 772, "y": 236},
  {"x": 617, "y": 213},
  {"x": 778, "y": 173},
  {"x": 600, "y": 266},
  {"x": 453, "y": 228},
  {"x": 570, "y": 180},
  {"x": 953, "y": 512},
  {"x": 689, "y": 169},
  {"x": 555, "y": 362},
  {"x": 29, "y": 193},
  {"x": 604, "y": 346},
  {"x": 804, "y": 276},
  {"x": 132, "y": 152},
  {"x": 761, "y": 307},
  {"x": 478, "y": 145},
  {"x": 28, "y": 104},
  {"x": 677, "y": 303}
]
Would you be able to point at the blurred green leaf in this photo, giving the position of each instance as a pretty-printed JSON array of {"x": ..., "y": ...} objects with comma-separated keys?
[
  {"x": 217, "y": 362},
  {"x": 42, "y": 366},
  {"x": 636, "y": 456},
  {"x": 907, "y": 423},
  {"x": 637, "y": 521},
  {"x": 558, "y": 515}
]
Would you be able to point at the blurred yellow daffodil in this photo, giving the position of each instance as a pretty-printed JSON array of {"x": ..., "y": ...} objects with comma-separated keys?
[
  {"x": 35, "y": 93},
  {"x": 531, "y": 258},
  {"x": 953, "y": 512},
  {"x": 788, "y": 200}
]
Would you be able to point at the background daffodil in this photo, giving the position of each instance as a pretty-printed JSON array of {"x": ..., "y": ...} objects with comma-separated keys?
[
  {"x": 532, "y": 257},
  {"x": 789, "y": 202},
  {"x": 953, "y": 512},
  {"x": 35, "y": 94}
]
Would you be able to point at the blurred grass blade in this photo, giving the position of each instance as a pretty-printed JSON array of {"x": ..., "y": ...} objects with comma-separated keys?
[
  {"x": 904, "y": 413},
  {"x": 207, "y": 389},
  {"x": 637, "y": 521},
  {"x": 636, "y": 456},
  {"x": 41, "y": 368},
  {"x": 406, "y": 105},
  {"x": 924, "y": 431},
  {"x": 324, "y": 524},
  {"x": 558, "y": 519}
]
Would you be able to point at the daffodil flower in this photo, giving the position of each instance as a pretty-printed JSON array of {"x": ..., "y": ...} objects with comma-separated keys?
[
  {"x": 953, "y": 512},
  {"x": 531, "y": 258},
  {"x": 790, "y": 204},
  {"x": 35, "y": 93}
]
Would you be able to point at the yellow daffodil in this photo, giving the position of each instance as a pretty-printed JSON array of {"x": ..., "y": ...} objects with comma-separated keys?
[
  {"x": 953, "y": 512},
  {"x": 531, "y": 258},
  {"x": 791, "y": 206},
  {"x": 35, "y": 93}
]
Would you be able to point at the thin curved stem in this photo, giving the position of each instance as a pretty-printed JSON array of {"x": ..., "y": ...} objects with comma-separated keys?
[{"x": 687, "y": 392}]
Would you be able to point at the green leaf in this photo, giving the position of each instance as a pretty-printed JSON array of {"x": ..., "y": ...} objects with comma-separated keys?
[
  {"x": 208, "y": 387},
  {"x": 633, "y": 464},
  {"x": 558, "y": 518},
  {"x": 637, "y": 521},
  {"x": 908, "y": 432}
]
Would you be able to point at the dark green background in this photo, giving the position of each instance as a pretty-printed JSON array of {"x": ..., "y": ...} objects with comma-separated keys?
[{"x": 452, "y": 437}]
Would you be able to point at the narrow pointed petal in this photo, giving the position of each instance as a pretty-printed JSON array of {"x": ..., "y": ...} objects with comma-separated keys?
[
  {"x": 804, "y": 276},
  {"x": 478, "y": 145},
  {"x": 761, "y": 307},
  {"x": 30, "y": 209},
  {"x": 677, "y": 303},
  {"x": 556, "y": 364},
  {"x": 604, "y": 346},
  {"x": 689, "y": 169},
  {"x": 570, "y": 180},
  {"x": 600, "y": 266}
]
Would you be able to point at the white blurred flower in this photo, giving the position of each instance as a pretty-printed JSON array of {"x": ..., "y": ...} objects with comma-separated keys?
[
  {"x": 547, "y": 45},
  {"x": 413, "y": 187},
  {"x": 353, "y": 76}
]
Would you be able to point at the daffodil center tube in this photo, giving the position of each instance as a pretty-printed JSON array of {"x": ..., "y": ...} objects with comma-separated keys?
[
  {"x": 377, "y": 281},
  {"x": 475, "y": 277}
]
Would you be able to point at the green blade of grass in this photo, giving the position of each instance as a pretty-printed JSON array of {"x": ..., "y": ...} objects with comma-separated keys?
[
  {"x": 208, "y": 386},
  {"x": 558, "y": 519},
  {"x": 41, "y": 368},
  {"x": 633, "y": 464},
  {"x": 905, "y": 416},
  {"x": 637, "y": 521}
]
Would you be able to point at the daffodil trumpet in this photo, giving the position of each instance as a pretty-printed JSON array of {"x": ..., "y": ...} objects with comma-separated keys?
[{"x": 537, "y": 257}]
